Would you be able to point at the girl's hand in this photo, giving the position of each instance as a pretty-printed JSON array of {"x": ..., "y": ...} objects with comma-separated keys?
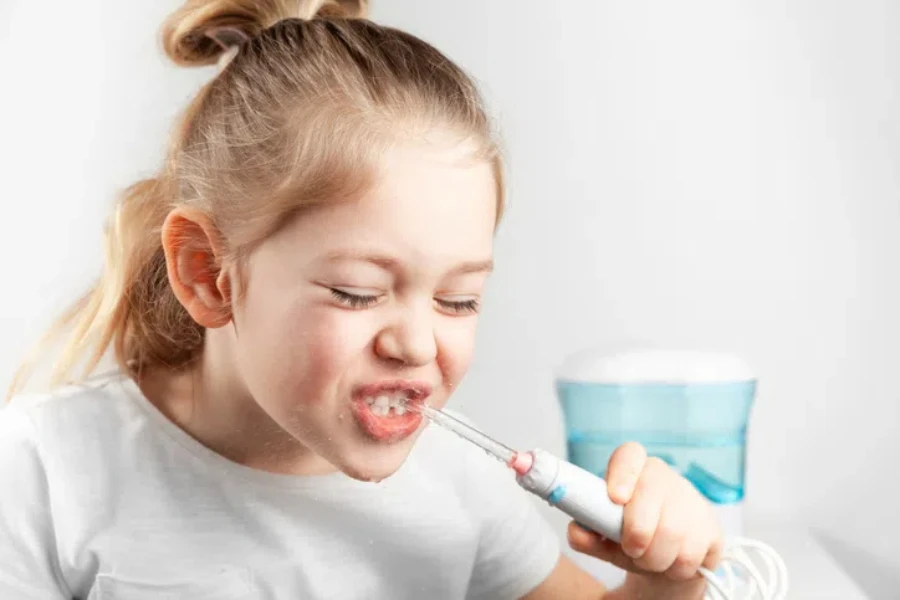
[{"x": 669, "y": 531}]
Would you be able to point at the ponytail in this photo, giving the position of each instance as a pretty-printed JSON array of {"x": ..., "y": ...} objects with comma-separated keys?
[{"x": 132, "y": 307}]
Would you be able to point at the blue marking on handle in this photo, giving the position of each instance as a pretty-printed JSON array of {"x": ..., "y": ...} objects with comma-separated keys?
[{"x": 558, "y": 493}]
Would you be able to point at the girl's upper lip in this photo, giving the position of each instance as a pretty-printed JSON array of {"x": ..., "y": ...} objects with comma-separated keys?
[{"x": 414, "y": 390}]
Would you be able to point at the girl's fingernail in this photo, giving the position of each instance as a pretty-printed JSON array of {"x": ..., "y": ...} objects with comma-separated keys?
[{"x": 622, "y": 491}]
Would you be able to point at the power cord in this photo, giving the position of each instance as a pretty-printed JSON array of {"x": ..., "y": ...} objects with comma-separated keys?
[{"x": 739, "y": 572}]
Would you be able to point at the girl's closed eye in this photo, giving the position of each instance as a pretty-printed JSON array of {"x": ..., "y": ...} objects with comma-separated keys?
[
  {"x": 459, "y": 304},
  {"x": 360, "y": 298},
  {"x": 356, "y": 297}
]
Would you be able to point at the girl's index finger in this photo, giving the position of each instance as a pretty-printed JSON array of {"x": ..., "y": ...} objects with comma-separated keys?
[{"x": 625, "y": 467}]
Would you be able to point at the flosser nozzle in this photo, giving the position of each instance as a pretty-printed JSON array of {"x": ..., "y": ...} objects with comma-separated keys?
[{"x": 467, "y": 432}]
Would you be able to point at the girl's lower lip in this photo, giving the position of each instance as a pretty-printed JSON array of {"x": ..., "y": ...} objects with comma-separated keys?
[{"x": 391, "y": 428}]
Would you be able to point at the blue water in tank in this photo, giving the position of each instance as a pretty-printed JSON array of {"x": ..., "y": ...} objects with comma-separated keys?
[{"x": 697, "y": 428}]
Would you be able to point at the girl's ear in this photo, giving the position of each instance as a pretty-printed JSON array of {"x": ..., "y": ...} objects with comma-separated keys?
[{"x": 194, "y": 265}]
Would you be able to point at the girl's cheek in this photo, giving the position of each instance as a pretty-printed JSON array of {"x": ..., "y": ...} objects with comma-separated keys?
[
  {"x": 456, "y": 348},
  {"x": 326, "y": 344}
]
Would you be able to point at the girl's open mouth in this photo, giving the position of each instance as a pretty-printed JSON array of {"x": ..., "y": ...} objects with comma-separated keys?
[{"x": 382, "y": 410}]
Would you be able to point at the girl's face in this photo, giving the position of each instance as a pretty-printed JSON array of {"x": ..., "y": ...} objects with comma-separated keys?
[{"x": 359, "y": 304}]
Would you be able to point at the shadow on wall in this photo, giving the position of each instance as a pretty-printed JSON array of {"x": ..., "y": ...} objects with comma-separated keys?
[{"x": 872, "y": 573}]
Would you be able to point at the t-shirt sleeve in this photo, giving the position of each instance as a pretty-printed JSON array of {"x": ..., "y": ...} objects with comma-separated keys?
[
  {"x": 28, "y": 565},
  {"x": 518, "y": 548}
]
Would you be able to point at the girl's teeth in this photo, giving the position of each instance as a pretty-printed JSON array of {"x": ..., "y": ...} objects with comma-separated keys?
[
  {"x": 384, "y": 405},
  {"x": 398, "y": 400}
]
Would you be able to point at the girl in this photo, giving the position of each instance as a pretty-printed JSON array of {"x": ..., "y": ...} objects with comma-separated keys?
[{"x": 311, "y": 255}]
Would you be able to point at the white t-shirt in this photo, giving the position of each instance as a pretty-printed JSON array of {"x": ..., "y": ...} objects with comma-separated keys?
[{"x": 102, "y": 497}]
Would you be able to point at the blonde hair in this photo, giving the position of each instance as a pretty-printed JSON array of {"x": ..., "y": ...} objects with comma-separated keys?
[{"x": 296, "y": 117}]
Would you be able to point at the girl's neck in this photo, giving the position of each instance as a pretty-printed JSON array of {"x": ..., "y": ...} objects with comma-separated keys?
[{"x": 211, "y": 404}]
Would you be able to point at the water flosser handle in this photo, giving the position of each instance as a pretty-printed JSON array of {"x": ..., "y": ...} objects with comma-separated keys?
[{"x": 578, "y": 493}]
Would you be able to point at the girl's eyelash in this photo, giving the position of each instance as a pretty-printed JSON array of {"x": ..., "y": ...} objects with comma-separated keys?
[
  {"x": 365, "y": 301},
  {"x": 460, "y": 306},
  {"x": 353, "y": 300}
]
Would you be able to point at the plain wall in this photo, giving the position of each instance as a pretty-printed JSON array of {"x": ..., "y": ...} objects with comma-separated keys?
[
  {"x": 712, "y": 175},
  {"x": 702, "y": 174}
]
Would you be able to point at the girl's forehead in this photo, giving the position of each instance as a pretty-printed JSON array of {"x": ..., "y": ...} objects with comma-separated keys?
[
  {"x": 427, "y": 206},
  {"x": 390, "y": 232},
  {"x": 423, "y": 192},
  {"x": 425, "y": 181},
  {"x": 435, "y": 215}
]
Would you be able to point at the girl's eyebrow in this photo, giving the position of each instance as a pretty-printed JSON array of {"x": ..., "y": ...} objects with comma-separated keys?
[
  {"x": 392, "y": 264},
  {"x": 380, "y": 260},
  {"x": 478, "y": 266}
]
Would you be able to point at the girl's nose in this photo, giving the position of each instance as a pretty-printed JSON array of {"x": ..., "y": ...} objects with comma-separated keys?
[{"x": 409, "y": 339}]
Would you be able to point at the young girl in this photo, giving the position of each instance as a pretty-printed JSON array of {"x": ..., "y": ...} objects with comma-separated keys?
[{"x": 311, "y": 255}]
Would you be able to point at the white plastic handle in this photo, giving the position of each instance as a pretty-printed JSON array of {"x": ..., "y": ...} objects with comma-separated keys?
[
  {"x": 575, "y": 491},
  {"x": 587, "y": 501}
]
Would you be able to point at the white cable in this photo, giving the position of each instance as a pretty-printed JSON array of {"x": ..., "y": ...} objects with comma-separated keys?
[{"x": 741, "y": 571}]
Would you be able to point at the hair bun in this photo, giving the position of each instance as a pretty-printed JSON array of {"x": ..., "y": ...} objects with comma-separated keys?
[
  {"x": 191, "y": 37},
  {"x": 341, "y": 9}
]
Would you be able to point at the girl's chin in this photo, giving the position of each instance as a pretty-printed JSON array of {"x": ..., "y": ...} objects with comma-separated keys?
[
  {"x": 368, "y": 474},
  {"x": 375, "y": 464}
]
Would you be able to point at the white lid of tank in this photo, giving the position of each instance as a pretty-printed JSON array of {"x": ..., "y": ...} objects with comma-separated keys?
[{"x": 654, "y": 366}]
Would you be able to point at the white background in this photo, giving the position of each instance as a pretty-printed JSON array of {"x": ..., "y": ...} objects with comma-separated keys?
[{"x": 708, "y": 174}]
